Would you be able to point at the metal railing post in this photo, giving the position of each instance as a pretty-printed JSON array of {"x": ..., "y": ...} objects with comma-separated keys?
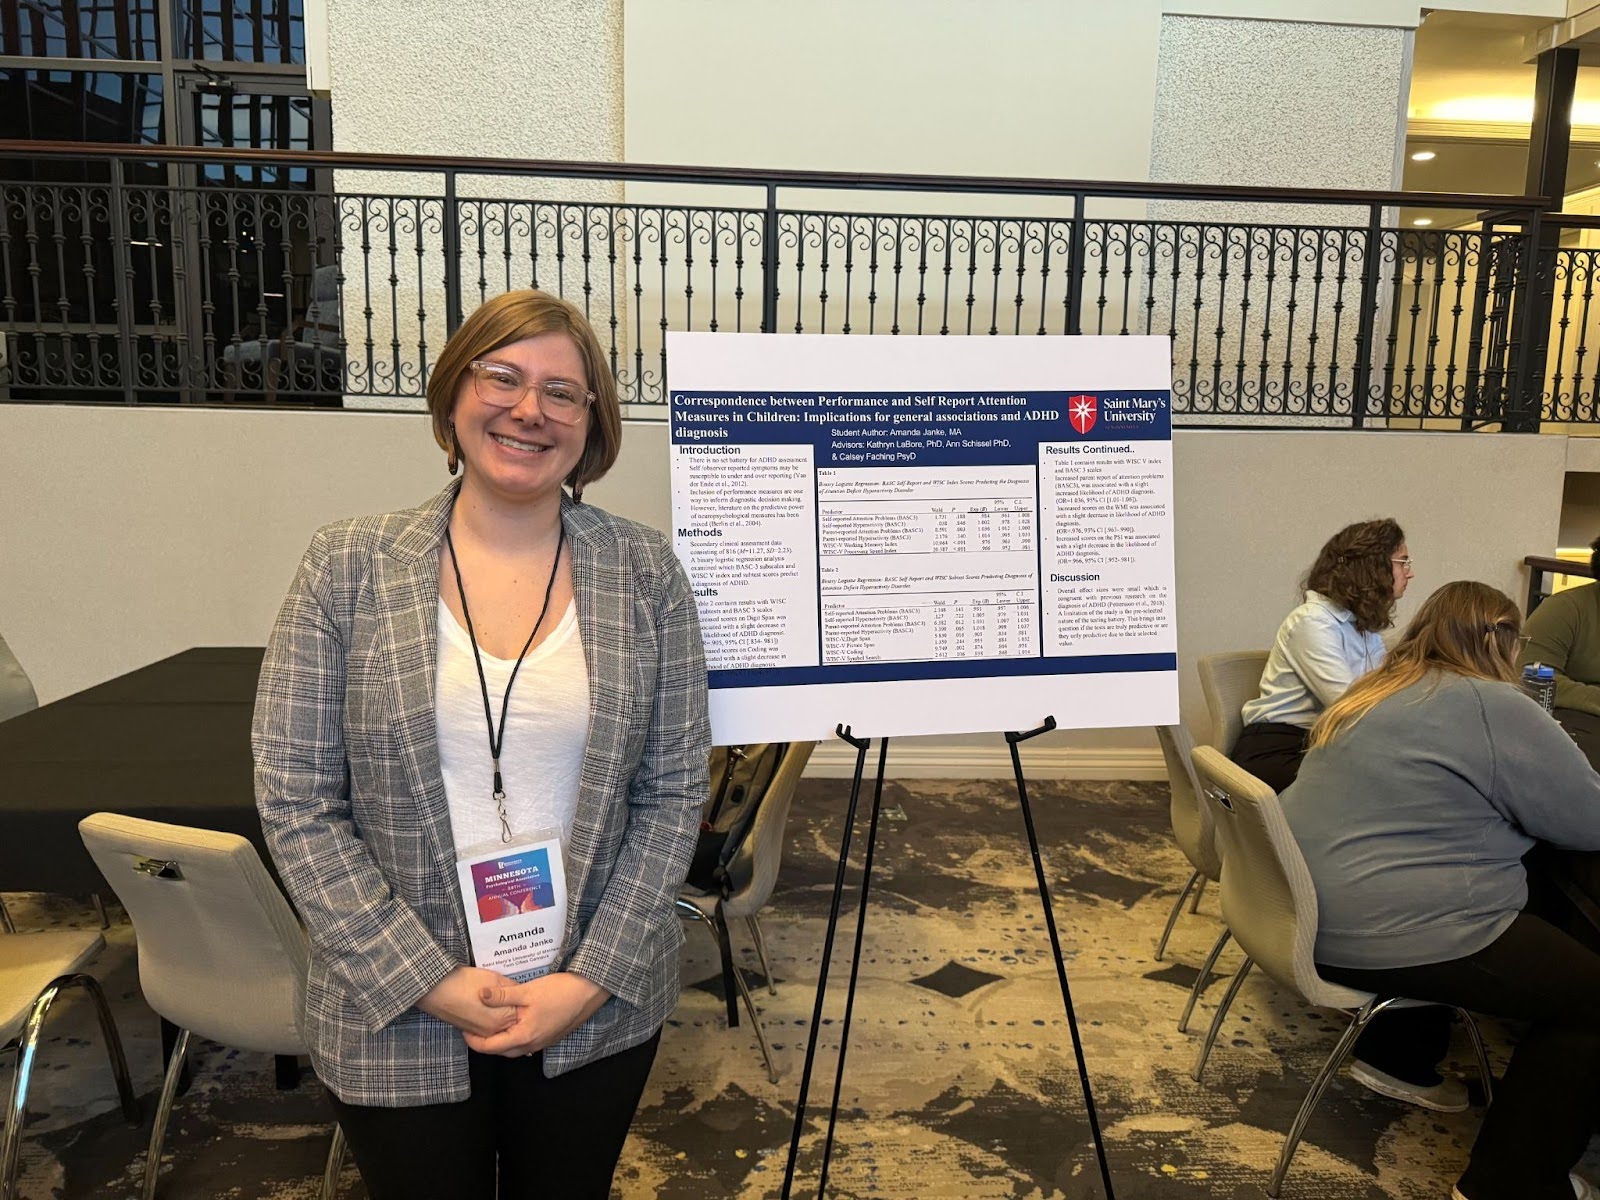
[
  {"x": 769, "y": 262},
  {"x": 1530, "y": 328},
  {"x": 1077, "y": 267},
  {"x": 1361, "y": 388},
  {"x": 1471, "y": 396},
  {"x": 122, "y": 272},
  {"x": 452, "y": 256}
]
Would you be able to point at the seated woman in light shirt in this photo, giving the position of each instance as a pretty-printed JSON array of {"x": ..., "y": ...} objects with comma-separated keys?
[{"x": 1324, "y": 645}]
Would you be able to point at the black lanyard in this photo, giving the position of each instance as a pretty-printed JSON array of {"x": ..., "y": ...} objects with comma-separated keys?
[{"x": 498, "y": 741}]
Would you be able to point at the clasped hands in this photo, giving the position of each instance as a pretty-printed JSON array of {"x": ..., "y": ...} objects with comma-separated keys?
[{"x": 499, "y": 1016}]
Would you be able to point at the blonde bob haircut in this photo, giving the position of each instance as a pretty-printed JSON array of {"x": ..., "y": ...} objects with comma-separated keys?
[
  {"x": 512, "y": 317},
  {"x": 1465, "y": 628}
]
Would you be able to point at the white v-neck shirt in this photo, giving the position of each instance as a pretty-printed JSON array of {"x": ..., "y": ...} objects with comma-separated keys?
[{"x": 547, "y": 732}]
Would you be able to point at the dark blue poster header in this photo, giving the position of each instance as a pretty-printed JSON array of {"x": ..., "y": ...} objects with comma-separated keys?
[{"x": 890, "y": 429}]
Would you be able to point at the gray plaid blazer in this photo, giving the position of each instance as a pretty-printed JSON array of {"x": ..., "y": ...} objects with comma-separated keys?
[{"x": 348, "y": 785}]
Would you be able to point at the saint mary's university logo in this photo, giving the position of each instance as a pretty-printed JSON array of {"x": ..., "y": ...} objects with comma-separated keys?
[{"x": 1082, "y": 411}]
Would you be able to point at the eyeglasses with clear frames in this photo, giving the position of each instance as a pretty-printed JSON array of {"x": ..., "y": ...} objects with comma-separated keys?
[
  {"x": 503, "y": 386},
  {"x": 1404, "y": 564},
  {"x": 1521, "y": 639}
]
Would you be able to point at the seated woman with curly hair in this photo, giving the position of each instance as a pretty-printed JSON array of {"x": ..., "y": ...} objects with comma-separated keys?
[{"x": 1324, "y": 645}]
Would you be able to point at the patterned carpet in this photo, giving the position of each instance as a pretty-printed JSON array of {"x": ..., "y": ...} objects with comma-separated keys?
[{"x": 960, "y": 1079}]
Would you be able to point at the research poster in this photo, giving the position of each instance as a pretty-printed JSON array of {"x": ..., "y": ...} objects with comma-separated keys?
[{"x": 926, "y": 535}]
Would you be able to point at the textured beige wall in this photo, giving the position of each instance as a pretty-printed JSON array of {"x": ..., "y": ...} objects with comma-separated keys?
[
  {"x": 497, "y": 79},
  {"x": 129, "y": 534}
]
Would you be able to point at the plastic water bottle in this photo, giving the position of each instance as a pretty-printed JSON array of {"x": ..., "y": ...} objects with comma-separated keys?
[{"x": 1539, "y": 681}]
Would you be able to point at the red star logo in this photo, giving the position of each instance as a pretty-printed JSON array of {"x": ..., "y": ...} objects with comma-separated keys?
[{"x": 1082, "y": 411}]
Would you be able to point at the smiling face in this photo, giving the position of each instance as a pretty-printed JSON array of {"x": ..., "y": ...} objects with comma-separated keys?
[{"x": 518, "y": 453}]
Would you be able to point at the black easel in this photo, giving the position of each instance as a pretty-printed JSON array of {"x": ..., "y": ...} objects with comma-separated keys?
[{"x": 1013, "y": 740}]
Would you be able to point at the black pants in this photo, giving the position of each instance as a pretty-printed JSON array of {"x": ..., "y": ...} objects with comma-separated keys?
[
  {"x": 544, "y": 1139},
  {"x": 1548, "y": 1103},
  {"x": 1272, "y": 752}
]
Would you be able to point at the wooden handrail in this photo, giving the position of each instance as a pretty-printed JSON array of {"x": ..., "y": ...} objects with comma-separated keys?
[{"x": 757, "y": 177}]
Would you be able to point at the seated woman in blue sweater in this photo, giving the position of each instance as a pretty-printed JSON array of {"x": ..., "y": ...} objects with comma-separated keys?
[
  {"x": 1425, "y": 787},
  {"x": 1325, "y": 644}
]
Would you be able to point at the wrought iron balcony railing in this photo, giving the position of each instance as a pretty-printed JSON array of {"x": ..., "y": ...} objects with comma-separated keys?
[{"x": 168, "y": 275}]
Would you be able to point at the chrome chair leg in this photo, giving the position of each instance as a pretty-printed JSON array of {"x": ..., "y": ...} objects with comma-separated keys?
[
  {"x": 1172, "y": 917},
  {"x": 1222, "y": 1012},
  {"x": 330, "y": 1173},
  {"x": 119, "y": 1060},
  {"x": 1199, "y": 890},
  {"x": 1202, "y": 979},
  {"x": 761, "y": 952},
  {"x": 158, "y": 1132},
  {"x": 685, "y": 909},
  {"x": 28, "y": 1045},
  {"x": 17, "y": 1101},
  {"x": 1476, "y": 1035},
  {"x": 1319, "y": 1085},
  {"x": 13, "y": 1120},
  {"x": 755, "y": 1019},
  {"x": 6, "y": 924}
]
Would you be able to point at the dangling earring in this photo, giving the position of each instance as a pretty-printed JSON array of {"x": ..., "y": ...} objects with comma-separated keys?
[{"x": 452, "y": 460}]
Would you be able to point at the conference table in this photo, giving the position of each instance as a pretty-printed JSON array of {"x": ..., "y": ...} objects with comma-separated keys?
[{"x": 168, "y": 742}]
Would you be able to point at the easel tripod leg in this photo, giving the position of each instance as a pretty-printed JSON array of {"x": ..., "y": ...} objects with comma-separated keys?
[
  {"x": 860, "y": 745},
  {"x": 1013, "y": 740},
  {"x": 855, "y": 968}
]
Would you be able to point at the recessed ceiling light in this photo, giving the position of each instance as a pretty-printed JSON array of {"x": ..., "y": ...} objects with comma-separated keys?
[
  {"x": 1423, "y": 156},
  {"x": 1423, "y": 221}
]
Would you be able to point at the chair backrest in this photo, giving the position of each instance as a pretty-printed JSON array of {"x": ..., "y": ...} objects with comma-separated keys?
[
  {"x": 753, "y": 870},
  {"x": 1268, "y": 899},
  {"x": 1229, "y": 681},
  {"x": 1192, "y": 825},
  {"x": 16, "y": 689},
  {"x": 220, "y": 950},
  {"x": 322, "y": 309}
]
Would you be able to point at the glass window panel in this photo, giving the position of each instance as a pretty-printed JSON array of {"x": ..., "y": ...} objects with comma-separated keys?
[
  {"x": 80, "y": 106},
  {"x": 265, "y": 31},
  {"x": 243, "y": 119},
  {"x": 80, "y": 28}
]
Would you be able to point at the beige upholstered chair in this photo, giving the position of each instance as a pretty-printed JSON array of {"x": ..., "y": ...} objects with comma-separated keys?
[
  {"x": 221, "y": 953},
  {"x": 35, "y": 968},
  {"x": 753, "y": 872},
  {"x": 1191, "y": 823},
  {"x": 16, "y": 689},
  {"x": 1229, "y": 681},
  {"x": 1270, "y": 905}
]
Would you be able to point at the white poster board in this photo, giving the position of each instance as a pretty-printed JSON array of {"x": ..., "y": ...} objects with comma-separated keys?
[{"x": 926, "y": 535}]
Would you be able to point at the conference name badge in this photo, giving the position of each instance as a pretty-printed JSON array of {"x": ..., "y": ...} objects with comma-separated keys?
[{"x": 515, "y": 898}]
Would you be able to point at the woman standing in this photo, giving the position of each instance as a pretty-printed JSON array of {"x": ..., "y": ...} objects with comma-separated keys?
[
  {"x": 480, "y": 742},
  {"x": 1426, "y": 786}
]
